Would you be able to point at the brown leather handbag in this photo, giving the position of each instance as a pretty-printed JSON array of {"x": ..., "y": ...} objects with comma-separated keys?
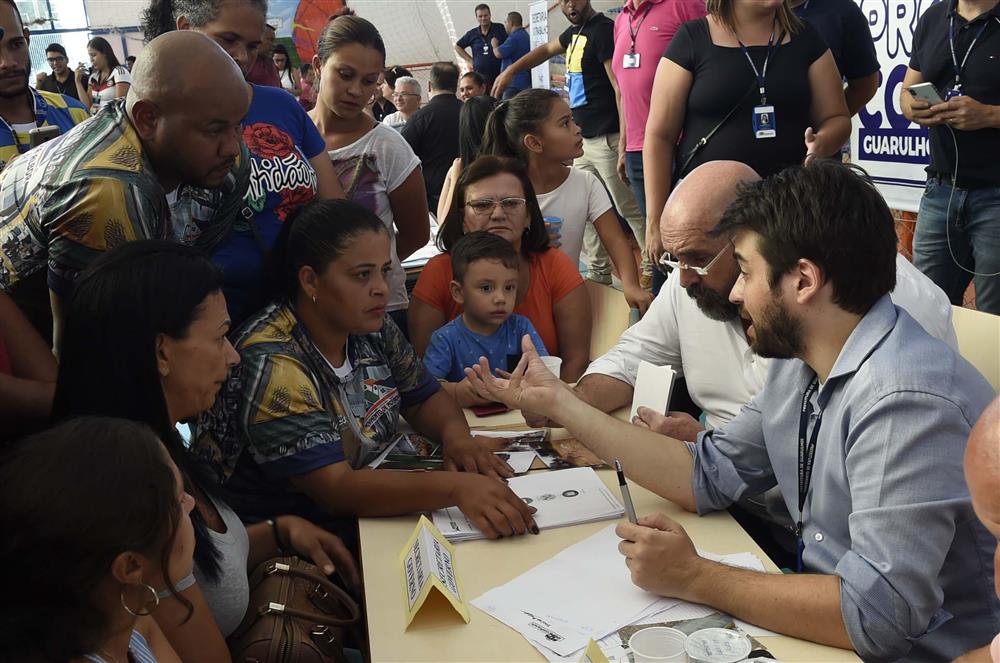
[{"x": 296, "y": 615}]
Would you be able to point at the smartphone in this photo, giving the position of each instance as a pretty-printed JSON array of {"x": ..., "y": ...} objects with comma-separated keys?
[
  {"x": 40, "y": 135},
  {"x": 489, "y": 410},
  {"x": 926, "y": 92}
]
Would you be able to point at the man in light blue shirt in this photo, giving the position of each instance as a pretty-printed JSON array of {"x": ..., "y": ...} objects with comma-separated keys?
[
  {"x": 516, "y": 46},
  {"x": 895, "y": 564}
]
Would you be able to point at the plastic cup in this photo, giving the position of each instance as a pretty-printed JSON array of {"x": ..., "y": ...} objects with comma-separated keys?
[
  {"x": 554, "y": 364},
  {"x": 718, "y": 645},
  {"x": 553, "y": 225},
  {"x": 658, "y": 644}
]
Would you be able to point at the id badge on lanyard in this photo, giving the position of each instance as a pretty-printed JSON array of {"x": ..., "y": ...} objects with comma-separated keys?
[
  {"x": 630, "y": 61},
  {"x": 765, "y": 123}
]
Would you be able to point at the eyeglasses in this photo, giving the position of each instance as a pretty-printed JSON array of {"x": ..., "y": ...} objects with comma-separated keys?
[
  {"x": 668, "y": 260},
  {"x": 56, "y": 59},
  {"x": 485, "y": 206},
  {"x": 396, "y": 95}
]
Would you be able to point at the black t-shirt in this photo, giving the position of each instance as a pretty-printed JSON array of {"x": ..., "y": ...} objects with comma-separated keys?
[
  {"x": 432, "y": 132},
  {"x": 844, "y": 28},
  {"x": 591, "y": 95},
  {"x": 383, "y": 109},
  {"x": 723, "y": 78},
  {"x": 50, "y": 84},
  {"x": 483, "y": 60},
  {"x": 979, "y": 151}
]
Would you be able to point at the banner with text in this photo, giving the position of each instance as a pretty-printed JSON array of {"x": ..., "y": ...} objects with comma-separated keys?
[
  {"x": 538, "y": 33},
  {"x": 892, "y": 149}
]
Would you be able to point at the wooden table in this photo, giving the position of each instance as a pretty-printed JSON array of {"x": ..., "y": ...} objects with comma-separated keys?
[{"x": 440, "y": 634}]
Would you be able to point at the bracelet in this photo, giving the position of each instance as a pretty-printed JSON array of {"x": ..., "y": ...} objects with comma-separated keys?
[{"x": 277, "y": 536}]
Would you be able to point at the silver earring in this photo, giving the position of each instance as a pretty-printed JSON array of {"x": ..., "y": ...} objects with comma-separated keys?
[
  {"x": 139, "y": 612},
  {"x": 314, "y": 299}
]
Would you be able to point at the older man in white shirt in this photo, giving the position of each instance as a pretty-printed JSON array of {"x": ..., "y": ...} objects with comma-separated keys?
[{"x": 693, "y": 327}]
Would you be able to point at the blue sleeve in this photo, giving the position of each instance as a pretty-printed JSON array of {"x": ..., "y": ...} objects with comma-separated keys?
[
  {"x": 731, "y": 461},
  {"x": 525, "y": 327},
  {"x": 312, "y": 141},
  {"x": 507, "y": 47},
  {"x": 465, "y": 41},
  {"x": 438, "y": 357}
]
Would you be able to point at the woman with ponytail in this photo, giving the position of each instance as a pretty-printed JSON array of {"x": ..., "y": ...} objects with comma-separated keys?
[
  {"x": 537, "y": 127},
  {"x": 376, "y": 166},
  {"x": 288, "y": 165}
]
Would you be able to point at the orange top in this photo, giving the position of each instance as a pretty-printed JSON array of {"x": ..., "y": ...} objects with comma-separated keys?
[{"x": 553, "y": 276}]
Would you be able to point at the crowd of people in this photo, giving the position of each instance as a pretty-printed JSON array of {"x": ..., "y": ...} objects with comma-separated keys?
[{"x": 206, "y": 334}]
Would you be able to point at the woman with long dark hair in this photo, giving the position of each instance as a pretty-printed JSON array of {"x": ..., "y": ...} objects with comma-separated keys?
[
  {"x": 325, "y": 378},
  {"x": 471, "y": 127},
  {"x": 289, "y": 166},
  {"x": 107, "y": 80},
  {"x": 96, "y": 534},
  {"x": 287, "y": 74},
  {"x": 149, "y": 320}
]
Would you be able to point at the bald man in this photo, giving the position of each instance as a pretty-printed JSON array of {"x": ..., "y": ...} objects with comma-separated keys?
[
  {"x": 982, "y": 473},
  {"x": 165, "y": 162}
]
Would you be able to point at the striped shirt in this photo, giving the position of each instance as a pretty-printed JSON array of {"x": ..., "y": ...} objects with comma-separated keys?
[
  {"x": 92, "y": 189},
  {"x": 51, "y": 109},
  {"x": 138, "y": 651}
]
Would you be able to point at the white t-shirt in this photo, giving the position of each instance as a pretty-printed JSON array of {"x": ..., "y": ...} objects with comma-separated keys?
[
  {"x": 580, "y": 200},
  {"x": 369, "y": 169},
  {"x": 104, "y": 93},
  {"x": 722, "y": 373},
  {"x": 395, "y": 120}
]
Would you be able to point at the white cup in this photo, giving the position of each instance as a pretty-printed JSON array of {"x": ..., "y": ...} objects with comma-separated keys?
[
  {"x": 658, "y": 644},
  {"x": 554, "y": 364}
]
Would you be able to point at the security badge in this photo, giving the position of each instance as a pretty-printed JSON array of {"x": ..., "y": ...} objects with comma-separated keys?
[
  {"x": 764, "y": 122},
  {"x": 630, "y": 61}
]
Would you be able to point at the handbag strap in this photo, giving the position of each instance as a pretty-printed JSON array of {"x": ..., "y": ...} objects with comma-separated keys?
[
  {"x": 704, "y": 139},
  {"x": 334, "y": 592}
]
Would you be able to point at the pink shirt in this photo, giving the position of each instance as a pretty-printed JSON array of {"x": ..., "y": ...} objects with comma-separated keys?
[{"x": 660, "y": 20}]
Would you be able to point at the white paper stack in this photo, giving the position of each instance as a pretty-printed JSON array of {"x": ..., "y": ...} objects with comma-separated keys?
[
  {"x": 585, "y": 592},
  {"x": 562, "y": 497},
  {"x": 653, "y": 385}
]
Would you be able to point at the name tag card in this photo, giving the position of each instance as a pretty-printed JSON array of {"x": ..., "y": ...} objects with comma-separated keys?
[{"x": 426, "y": 564}]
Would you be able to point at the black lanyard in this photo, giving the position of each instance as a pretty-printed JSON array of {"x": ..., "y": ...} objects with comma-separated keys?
[
  {"x": 635, "y": 33},
  {"x": 572, "y": 43},
  {"x": 956, "y": 67},
  {"x": 807, "y": 456},
  {"x": 762, "y": 73}
]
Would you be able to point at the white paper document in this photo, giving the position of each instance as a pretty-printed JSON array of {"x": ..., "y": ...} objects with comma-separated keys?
[
  {"x": 653, "y": 385},
  {"x": 562, "y": 497}
]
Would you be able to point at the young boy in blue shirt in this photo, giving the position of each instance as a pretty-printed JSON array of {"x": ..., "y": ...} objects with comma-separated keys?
[{"x": 485, "y": 269}]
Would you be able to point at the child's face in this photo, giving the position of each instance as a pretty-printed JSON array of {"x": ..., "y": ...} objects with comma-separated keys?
[
  {"x": 561, "y": 136},
  {"x": 487, "y": 292}
]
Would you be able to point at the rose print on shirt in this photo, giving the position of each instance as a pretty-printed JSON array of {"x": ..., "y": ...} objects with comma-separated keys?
[
  {"x": 267, "y": 141},
  {"x": 281, "y": 177}
]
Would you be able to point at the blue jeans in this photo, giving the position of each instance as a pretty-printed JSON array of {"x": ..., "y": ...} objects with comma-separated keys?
[
  {"x": 973, "y": 232},
  {"x": 633, "y": 170}
]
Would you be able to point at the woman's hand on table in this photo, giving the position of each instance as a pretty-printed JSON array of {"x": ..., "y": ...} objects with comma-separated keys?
[
  {"x": 530, "y": 387},
  {"x": 492, "y": 506},
  {"x": 660, "y": 555},
  {"x": 475, "y": 455}
]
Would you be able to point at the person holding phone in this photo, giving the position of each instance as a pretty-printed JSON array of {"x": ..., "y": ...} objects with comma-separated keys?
[
  {"x": 957, "y": 239},
  {"x": 22, "y": 108},
  {"x": 108, "y": 78}
]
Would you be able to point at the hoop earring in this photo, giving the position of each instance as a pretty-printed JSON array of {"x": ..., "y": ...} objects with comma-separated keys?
[{"x": 140, "y": 613}]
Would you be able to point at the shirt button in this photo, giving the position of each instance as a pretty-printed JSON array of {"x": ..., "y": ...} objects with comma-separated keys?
[{"x": 818, "y": 536}]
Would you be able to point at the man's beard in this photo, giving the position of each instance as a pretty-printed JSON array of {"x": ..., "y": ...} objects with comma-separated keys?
[
  {"x": 777, "y": 334},
  {"x": 712, "y": 304},
  {"x": 8, "y": 94}
]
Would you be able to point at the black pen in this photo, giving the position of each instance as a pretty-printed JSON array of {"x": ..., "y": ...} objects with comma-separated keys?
[{"x": 626, "y": 496}]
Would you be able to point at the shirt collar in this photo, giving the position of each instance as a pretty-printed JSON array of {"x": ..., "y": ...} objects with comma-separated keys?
[
  {"x": 953, "y": 11},
  {"x": 629, "y": 5},
  {"x": 876, "y": 324}
]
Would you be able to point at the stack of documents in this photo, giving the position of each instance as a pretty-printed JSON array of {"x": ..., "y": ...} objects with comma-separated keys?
[
  {"x": 586, "y": 592},
  {"x": 562, "y": 497}
]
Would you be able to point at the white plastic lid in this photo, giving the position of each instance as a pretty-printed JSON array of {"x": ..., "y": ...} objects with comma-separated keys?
[{"x": 718, "y": 645}]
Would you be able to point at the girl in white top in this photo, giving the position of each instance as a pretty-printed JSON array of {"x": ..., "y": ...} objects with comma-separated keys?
[
  {"x": 537, "y": 126},
  {"x": 287, "y": 74},
  {"x": 376, "y": 166},
  {"x": 108, "y": 80}
]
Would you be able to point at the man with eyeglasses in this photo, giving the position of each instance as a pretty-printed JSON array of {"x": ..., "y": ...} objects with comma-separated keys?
[
  {"x": 61, "y": 81},
  {"x": 693, "y": 327},
  {"x": 23, "y": 108},
  {"x": 406, "y": 99}
]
